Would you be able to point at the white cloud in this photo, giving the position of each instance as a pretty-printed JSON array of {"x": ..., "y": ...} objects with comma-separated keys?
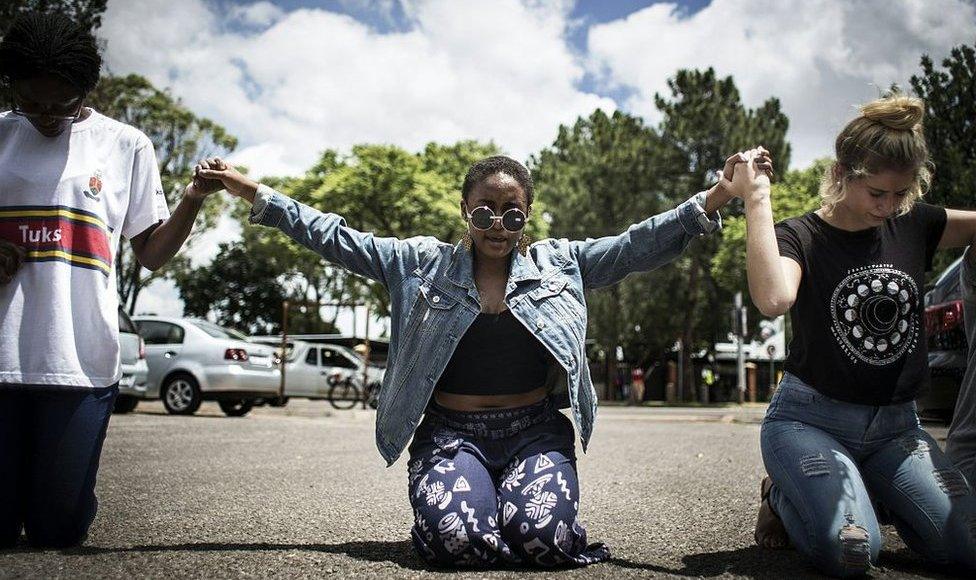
[
  {"x": 160, "y": 298},
  {"x": 290, "y": 84},
  {"x": 820, "y": 57},
  {"x": 313, "y": 79},
  {"x": 259, "y": 14}
]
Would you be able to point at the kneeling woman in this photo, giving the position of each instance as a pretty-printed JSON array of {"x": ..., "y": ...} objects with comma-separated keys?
[
  {"x": 841, "y": 432},
  {"x": 475, "y": 330}
]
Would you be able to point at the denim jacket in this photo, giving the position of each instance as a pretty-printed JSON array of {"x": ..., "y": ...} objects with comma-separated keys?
[{"x": 433, "y": 298}]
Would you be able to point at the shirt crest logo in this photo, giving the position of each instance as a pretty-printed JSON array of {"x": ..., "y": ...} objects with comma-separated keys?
[{"x": 94, "y": 186}]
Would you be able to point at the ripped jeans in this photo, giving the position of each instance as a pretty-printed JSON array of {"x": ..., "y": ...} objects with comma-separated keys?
[{"x": 831, "y": 461}]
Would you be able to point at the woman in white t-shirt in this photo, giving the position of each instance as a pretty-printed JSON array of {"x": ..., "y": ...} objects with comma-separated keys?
[{"x": 72, "y": 183}]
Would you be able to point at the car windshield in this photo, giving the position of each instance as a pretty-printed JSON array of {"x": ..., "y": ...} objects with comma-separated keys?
[
  {"x": 125, "y": 323},
  {"x": 951, "y": 271},
  {"x": 219, "y": 331}
]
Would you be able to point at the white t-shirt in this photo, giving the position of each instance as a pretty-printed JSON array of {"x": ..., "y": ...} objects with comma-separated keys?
[{"x": 67, "y": 200}]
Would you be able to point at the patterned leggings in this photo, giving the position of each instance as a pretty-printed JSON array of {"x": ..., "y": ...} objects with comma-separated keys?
[{"x": 497, "y": 487}]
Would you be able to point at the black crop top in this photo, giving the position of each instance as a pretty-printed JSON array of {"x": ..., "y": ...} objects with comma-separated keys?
[{"x": 496, "y": 356}]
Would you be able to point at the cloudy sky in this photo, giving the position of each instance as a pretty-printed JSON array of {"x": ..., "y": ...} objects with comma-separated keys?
[{"x": 293, "y": 77}]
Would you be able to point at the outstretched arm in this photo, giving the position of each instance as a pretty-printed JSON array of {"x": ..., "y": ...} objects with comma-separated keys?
[
  {"x": 381, "y": 259},
  {"x": 960, "y": 229},
  {"x": 655, "y": 241}
]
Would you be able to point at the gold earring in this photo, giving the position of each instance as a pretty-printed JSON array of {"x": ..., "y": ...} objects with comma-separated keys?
[
  {"x": 523, "y": 244},
  {"x": 466, "y": 241}
]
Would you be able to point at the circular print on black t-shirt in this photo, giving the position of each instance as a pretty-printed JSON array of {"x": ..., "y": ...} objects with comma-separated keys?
[{"x": 874, "y": 315}]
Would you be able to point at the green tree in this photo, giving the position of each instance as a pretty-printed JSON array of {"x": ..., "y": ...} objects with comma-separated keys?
[
  {"x": 950, "y": 129},
  {"x": 705, "y": 122},
  {"x": 244, "y": 286},
  {"x": 376, "y": 188},
  {"x": 240, "y": 288},
  {"x": 795, "y": 194},
  {"x": 389, "y": 191},
  {"x": 950, "y": 124},
  {"x": 180, "y": 138},
  {"x": 599, "y": 176}
]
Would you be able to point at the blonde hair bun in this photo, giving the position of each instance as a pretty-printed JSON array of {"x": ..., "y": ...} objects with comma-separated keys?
[{"x": 897, "y": 112}]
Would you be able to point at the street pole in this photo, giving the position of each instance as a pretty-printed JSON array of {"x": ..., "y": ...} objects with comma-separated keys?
[
  {"x": 740, "y": 355},
  {"x": 681, "y": 371},
  {"x": 284, "y": 349},
  {"x": 366, "y": 361}
]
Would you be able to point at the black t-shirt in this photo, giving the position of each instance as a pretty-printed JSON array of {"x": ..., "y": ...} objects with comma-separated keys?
[{"x": 858, "y": 333}]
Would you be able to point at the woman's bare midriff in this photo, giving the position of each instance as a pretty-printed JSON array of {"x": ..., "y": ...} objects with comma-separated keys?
[{"x": 486, "y": 402}]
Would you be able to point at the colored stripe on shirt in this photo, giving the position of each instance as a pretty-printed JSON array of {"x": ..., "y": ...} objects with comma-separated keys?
[{"x": 59, "y": 233}]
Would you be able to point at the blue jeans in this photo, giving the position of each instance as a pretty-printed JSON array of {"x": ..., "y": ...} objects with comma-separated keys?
[
  {"x": 50, "y": 443},
  {"x": 497, "y": 487},
  {"x": 830, "y": 461}
]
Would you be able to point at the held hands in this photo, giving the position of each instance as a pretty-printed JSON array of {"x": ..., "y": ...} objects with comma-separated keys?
[
  {"x": 11, "y": 258},
  {"x": 200, "y": 188},
  {"x": 214, "y": 174},
  {"x": 746, "y": 175}
]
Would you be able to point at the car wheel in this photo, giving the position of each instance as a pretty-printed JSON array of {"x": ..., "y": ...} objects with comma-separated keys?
[
  {"x": 235, "y": 407},
  {"x": 181, "y": 395},
  {"x": 125, "y": 404}
]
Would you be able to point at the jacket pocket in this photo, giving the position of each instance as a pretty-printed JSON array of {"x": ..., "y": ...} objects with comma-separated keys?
[{"x": 552, "y": 286}]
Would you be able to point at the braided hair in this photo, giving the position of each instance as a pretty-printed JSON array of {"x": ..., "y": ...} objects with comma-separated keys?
[{"x": 41, "y": 44}]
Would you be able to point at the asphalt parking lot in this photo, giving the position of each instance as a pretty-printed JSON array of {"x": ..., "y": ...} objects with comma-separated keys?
[{"x": 301, "y": 492}]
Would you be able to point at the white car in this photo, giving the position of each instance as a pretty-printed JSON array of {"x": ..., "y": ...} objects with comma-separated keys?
[
  {"x": 192, "y": 360},
  {"x": 135, "y": 371},
  {"x": 312, "y": 368}
]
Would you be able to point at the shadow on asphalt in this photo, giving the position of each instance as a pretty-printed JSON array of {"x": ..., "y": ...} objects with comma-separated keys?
[
  {"x": 750, "y": 562},
  {"x": 399, "y": 552},
  {"x": 756, "y": 562}
]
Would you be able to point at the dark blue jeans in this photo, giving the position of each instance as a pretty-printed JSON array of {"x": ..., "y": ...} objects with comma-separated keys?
[
  {"x": 497, "y": 487},
  {"x": 50, "y": 443},
  {"x": 831, "y": 461}
]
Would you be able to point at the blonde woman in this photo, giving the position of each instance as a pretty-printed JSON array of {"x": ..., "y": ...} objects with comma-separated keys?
[{"x": 841, "y": 432}]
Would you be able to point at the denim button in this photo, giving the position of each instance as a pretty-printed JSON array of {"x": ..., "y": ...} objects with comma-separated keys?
[
  {"x": 435, "y": 299},
  {"x": 540, "y": 324}
]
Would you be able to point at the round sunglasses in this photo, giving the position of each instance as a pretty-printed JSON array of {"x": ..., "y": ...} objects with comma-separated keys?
[{"x": 483, "y": 218}]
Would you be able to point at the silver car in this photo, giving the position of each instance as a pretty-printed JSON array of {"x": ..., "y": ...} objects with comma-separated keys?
[
  {"x": 313, "y": 368},
  {"x": 135, "y": 371},
  {"x": 192, "y": 360}
]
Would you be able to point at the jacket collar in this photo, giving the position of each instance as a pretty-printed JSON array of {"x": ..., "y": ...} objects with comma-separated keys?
[{"x": 461, "y": 269}]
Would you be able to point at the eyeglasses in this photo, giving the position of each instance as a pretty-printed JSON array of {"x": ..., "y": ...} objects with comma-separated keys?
[
  {"x": 482, "y": 218},
  {"x": 57, "y": 112}
]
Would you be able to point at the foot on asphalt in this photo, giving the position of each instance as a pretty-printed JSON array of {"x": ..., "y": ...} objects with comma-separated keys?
[{"x": 770, "y": 532}]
